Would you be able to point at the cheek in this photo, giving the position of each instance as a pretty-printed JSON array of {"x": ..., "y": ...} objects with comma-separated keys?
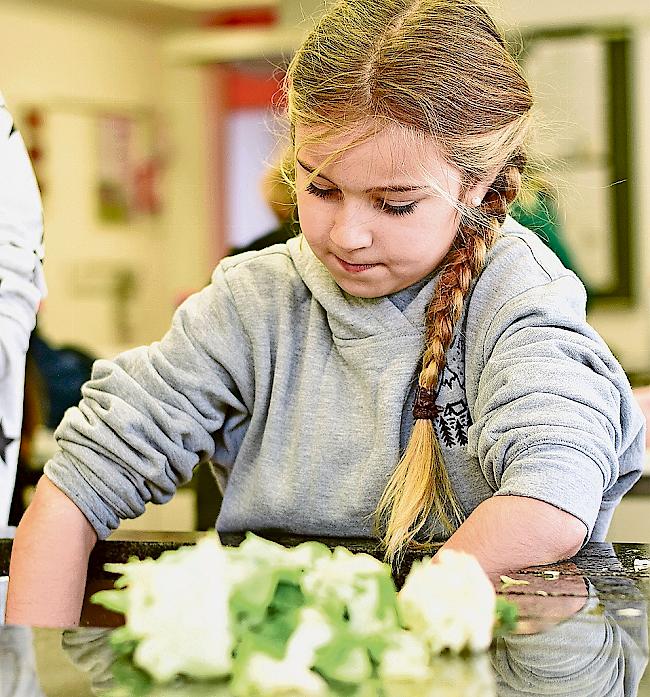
[
  {"x": 313, "y": 215},
  {"x": 426, "y": 243}
]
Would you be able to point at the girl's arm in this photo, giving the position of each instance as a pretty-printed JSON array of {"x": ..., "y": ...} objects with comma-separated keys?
[
  {"x": 512, "y": 532},
  {"x": 49, "y": 561},
  {"x": 145, "y": 421},
  {"x": 554, "y": 426}
]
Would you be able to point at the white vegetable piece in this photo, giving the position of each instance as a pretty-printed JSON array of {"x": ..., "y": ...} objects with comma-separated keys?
[
  {"x": 450, "y": 604},
  {"x": 181, "y": 620},
  {"x": 356, "y": 580},
  {"x": 406, "y": 659},
  {"x": 292, "y": 674}
]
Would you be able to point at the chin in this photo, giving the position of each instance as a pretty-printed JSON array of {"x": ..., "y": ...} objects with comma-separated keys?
[{"x": 361, "y": 291}]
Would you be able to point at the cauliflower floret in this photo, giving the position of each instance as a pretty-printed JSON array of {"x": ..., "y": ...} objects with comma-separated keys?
[
  {"x": 406, "y": 658},
  {"x": 198, "y": 640},
  {"x": 450, "y": 604},
  {"x": 357, "y": 582},
  {"x": 291, "y": 674}
]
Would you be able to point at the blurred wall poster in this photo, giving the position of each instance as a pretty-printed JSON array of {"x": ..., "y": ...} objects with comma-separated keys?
[
  {"x": 115, "y": 135},
  {"x": 582, "y": 84}
]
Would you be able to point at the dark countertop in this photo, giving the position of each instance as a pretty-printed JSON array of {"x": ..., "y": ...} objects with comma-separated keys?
[{"x": 587, "y": 631}]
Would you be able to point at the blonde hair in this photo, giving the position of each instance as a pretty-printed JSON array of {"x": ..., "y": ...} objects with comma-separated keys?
[{"x": 439, "y": 69}]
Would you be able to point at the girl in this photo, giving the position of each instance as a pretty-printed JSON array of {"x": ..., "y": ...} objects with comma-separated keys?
[{"x": 414, "y": 358}]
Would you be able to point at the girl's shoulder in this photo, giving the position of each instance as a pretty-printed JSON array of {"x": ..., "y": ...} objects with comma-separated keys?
[
  {"x": 259, "y": 267},
  {"x": 525, "y": 254},
  {"x": 266, "y": 276},
  {"x": 521, "y": 273},
  {"x": 277, "y": 254},
  {"x": 519, "y": 262}
]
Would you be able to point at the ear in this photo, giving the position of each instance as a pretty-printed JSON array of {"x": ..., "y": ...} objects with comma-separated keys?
[{"x": 476, "y": 194}]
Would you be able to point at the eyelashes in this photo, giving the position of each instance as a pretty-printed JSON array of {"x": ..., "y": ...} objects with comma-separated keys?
[{"x": 380, "y": 204}]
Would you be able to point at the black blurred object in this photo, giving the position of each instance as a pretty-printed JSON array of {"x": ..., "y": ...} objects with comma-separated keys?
[
  {"x": 33, "y": 418},
  {"x": 63, "y": 371},
  {"x": 53, "y": 380}
]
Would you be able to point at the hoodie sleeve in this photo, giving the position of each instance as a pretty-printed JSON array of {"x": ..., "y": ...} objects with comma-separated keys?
[
  {"x": 21, "y": 288},
  {"x": 21, "y": 248},
  {"x": 148, "y": 417},
  {"x": 554, "y": 417}
]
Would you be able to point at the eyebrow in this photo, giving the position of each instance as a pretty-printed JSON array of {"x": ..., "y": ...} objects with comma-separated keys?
[{"x": 392, "y": 189}]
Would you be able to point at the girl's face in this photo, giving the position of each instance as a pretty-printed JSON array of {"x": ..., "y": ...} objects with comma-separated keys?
[{"x": 371, "y": 215}]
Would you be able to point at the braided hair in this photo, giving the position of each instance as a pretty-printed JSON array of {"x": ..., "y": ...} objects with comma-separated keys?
[{"x": 420, "y": 485}]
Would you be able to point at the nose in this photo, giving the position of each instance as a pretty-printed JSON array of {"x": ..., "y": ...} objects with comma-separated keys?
[{"x": 351, "y": 229}]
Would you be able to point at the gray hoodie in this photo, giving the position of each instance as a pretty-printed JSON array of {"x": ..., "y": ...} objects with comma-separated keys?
[{"x": 302, "y": 394}]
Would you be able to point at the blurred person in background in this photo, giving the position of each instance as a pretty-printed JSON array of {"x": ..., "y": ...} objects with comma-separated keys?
[
  {"x": 22, "y": 287},
  {"x": 537, "y": 209},
  {"x": 279, "y": 196}
]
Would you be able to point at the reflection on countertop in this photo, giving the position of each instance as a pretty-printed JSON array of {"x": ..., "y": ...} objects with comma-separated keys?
[{"x": 585, "y": 635}]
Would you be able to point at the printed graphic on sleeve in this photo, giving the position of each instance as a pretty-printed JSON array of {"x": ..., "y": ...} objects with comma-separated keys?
[{"x": 5, "y": 442}]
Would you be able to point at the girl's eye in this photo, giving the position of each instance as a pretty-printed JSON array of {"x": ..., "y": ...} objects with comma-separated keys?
[
  {"x": 381, "y": 204},
  {"x": 321, "y": 193},
  {"x": 402, "y": 209}
]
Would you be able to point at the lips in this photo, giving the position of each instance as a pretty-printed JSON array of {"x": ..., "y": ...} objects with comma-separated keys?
[{"x": 355, "y": 268}]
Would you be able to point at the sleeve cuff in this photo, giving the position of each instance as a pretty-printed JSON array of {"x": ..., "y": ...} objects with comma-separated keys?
[
  {"x": 71, "y": 482},
  {"x": 560, "y": 476}
]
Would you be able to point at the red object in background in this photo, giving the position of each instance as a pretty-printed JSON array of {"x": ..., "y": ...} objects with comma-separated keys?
[
  {"x": 246, "y": 89},
  {"x": 34, "y": 118},
  {"x": 250, "y": 88},
  {"x": 146, "y": 186},
  {"x": 253, "y": 16},
  {"x": 32, "y": 132}
]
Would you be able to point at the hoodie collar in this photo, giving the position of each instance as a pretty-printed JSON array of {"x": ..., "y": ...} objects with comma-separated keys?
[{"x": 351, "y": 317}]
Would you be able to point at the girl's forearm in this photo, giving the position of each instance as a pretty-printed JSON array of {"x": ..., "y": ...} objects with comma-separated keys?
[
  {"x": 507, "y": 533},
  {"x": 49, "y": 561}
]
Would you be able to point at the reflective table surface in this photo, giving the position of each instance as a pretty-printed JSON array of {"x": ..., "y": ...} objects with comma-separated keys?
[{"x": 584, "y": 633}]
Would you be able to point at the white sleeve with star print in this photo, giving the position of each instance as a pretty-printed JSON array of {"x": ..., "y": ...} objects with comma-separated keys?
[{"x": 21, "y": 289}]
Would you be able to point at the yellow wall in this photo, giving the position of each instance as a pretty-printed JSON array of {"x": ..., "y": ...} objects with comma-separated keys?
[{"x": 73, "y": 65}]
